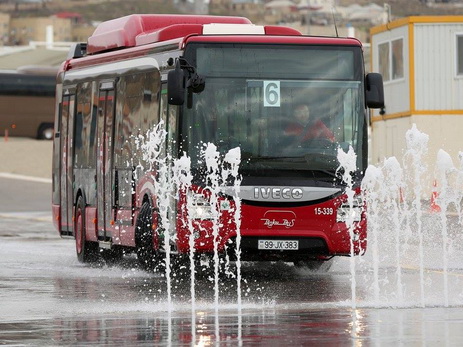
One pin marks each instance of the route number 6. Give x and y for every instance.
(271, 93)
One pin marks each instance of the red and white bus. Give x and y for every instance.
(219, 80)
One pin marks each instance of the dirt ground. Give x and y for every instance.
(26, 156)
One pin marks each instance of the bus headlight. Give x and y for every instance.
(347, 213)
(199, 207)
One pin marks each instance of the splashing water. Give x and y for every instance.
(153, 154)
(383, 188)
(182, 179)
(348, 164)
(172, 178)
(402, 231)
(406, 230)
(449, 177)
(417, 145)
(233, 159)
(211, 156)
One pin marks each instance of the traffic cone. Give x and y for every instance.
(434, 195)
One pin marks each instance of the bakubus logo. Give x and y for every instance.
(279, 218)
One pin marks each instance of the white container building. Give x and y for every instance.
(421, 60)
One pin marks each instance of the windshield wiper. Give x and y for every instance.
(331, 173)
(310, 159)
(265, 162)
(275, 158)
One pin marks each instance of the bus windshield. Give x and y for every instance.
(289, 108)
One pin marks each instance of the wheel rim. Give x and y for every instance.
(79, 232)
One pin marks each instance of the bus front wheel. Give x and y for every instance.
(147, 255)
(87, 252)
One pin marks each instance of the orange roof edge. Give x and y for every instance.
(415, 19)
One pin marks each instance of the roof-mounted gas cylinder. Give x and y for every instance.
(140, 29)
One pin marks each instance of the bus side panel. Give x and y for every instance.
(84, 152)
(84, 184)
(55, 210)
(56, 160)
(66, 155)
(136, 113)
(90, 224)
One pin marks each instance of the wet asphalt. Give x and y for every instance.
(48, 298)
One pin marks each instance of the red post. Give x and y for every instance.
(6, 135)
(434, 195)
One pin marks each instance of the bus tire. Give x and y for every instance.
(45, 131)
(87, 252)
(147, 256)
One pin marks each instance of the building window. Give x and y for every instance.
(397, 59)
(383, 50)
(391, 59)
(460, 54)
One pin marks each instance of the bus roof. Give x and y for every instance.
(141, 29)
(267, 39)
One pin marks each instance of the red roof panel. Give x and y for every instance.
(169, 33)
(123, 32)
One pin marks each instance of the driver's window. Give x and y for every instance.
(169, 116)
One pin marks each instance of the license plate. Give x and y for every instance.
(287, 245)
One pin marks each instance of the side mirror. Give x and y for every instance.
(196, 83)
(374, 90)
(176, 85)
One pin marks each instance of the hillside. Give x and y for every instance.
(92, 10)
(107, 9)
(405, 8)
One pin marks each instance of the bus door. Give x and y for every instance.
(169, 115)
(104, 161)
(65, 144)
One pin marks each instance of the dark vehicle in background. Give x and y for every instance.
(27, 99)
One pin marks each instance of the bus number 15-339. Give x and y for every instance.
(326, 211)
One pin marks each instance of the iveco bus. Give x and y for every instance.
(211, 80)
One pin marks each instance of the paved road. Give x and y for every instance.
(48, 298)
(24, 194)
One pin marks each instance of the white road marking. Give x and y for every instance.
(25, 178)
(37, 215)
